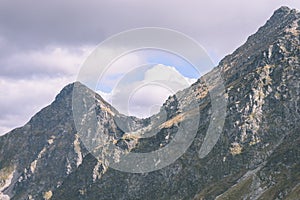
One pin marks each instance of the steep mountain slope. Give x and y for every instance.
(257, 155)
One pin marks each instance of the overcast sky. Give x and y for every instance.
(44, 43)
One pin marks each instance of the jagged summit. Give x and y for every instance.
(284, 10)
(274, 30)
(255, 157)
(280, 20)
(67, 91)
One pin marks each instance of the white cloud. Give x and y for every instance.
(144, 97)
(30, 81)
(50, 61)
(167, 73)
(21, 99)
(137, 59)
(120, 67)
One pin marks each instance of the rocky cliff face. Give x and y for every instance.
(257, 155)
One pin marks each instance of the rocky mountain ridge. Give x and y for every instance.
(255, 157)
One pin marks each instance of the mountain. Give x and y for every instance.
(255, 156)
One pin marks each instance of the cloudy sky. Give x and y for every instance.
(44, 43)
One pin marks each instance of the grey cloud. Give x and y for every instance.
(219, 25)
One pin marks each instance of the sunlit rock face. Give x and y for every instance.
(257, 156)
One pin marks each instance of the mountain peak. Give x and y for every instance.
(49, 158)
(284, 13)
(68, 91)
(283, 9)
(277, 28)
